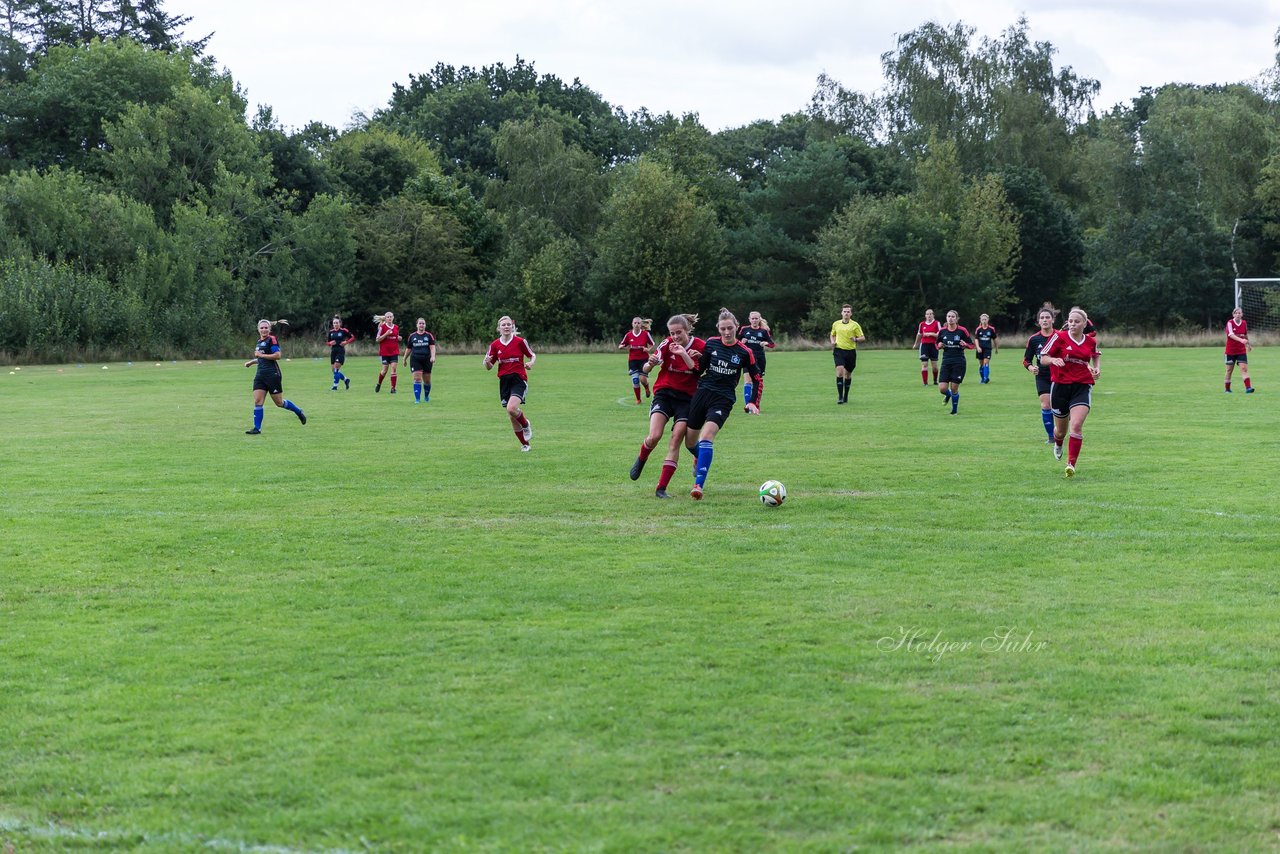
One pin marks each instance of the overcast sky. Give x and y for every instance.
(730, 61)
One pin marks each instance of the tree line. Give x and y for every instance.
(144, 212)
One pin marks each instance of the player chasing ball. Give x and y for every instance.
(677, 358)
(723, 361)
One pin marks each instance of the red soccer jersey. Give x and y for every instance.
(639, 344)
(389, 346)
(929, 332)
(1076, 354)
(510, 357)
(1234, 347)
(675, 374)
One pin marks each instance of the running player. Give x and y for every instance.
(1031, 361)
(509, 352)
(1072, 357)
(639, 344)
(927, 344)
(846, 334)
(988, 344)
(1238, 348)
(953, 340)
(388, 347)
(421, 350)
(722, 363)
(267, 380)
(757, 336)
(339, 337)
(678, 356)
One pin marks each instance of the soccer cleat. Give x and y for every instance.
(696, 492)
(1057, 451)
(1227, 390)
(840, 400)
(1070, 472)
(660, 493)
(254, 432)
(377, 388)
(636, 468)
(528, 432)
(393, 391)
(335, 387)
(524, 449)
(347, 380)
(953, 410)
(302, 416)
(1249, 391)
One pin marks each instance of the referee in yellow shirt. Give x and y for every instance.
(845, 335)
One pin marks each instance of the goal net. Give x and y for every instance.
(1260, 299)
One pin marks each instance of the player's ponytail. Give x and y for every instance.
(274, 323)
(382, 318)
(725, 314)
(646, 323)
(764, 324)
(687, 321)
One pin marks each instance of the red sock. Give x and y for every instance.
(924, 375)
(520, 436)
(1227, 386)
(382, 375)
(668, 472)
(645, 451)
(1248, 383)
(1073, 447)
(524, 422)
(393, 382)
(759, 391)
(636, 389)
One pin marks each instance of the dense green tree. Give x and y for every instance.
(659, 249)
(371, 164)
(1051, 254)
(547, 177)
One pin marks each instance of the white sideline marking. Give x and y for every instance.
(50, 831)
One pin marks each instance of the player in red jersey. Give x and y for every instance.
(388, 347)
(1072, 357)
(678, 357)
(339, 337)
(1031, 361)
(639, 343)
(927, 344)
(723, 361)
(509, 352)
(1238, 348)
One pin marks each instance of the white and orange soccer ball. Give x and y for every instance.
(772, 493)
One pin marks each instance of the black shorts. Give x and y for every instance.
(671, 403)
(636, 365)
(512, 385)
(847, 359)
(270, 383)
(1237, 359)
(760, 363)
(1067, 396)
(952, 372)
(389, 360)
(983, 354)
(928, 352)
(1044, 384)
(709, 406)
(338, 354)
(420, 363)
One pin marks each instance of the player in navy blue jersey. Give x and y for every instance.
(953, 340)
(339, 337)
(421, 351)
(266, 355)
(1031, 361)
(988, 345)
(757, 336)
(723, 361)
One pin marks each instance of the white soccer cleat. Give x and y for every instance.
(1057, 451)
(526, 448)
(528, 433)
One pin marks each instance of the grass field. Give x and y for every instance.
(390, 630)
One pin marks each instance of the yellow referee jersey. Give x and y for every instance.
(847, 334)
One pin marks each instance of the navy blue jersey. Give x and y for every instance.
(985, 336)
(756, 339)
(722, 364)
(1034, 345)
(420, 343)
(951, 342)
(339, 337)
(267, 367)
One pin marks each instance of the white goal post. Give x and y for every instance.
(1260, 299)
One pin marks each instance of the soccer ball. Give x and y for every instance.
(772, 493)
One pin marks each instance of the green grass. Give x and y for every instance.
(389, 629)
